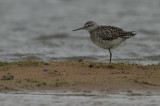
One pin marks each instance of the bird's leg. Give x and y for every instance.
(110, 55)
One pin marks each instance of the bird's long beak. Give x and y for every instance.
(78, 29)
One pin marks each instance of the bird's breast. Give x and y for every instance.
(106, 44)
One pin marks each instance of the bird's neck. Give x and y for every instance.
(93, 28)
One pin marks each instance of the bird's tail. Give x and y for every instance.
(127, 35)
(133, 33)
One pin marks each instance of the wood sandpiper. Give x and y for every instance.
(106, 37)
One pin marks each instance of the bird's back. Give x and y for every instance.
(111, 32)
(109, 36)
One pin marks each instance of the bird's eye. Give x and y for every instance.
(89, 25)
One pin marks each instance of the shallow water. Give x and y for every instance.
(79, 99)
(42, 29)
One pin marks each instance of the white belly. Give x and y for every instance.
(106, 44)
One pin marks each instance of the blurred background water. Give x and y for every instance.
(42, 29)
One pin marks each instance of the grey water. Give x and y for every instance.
(42, 29)
(79, 99)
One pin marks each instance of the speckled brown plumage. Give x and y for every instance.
(111, 32)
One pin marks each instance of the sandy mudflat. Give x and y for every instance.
(78, 76)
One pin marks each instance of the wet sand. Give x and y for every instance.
(78, 76)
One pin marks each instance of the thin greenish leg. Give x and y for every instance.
(110, 55)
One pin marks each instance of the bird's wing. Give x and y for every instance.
(108, 32)
(112, 28)
(111, 33)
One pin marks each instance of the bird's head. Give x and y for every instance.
(89, 26)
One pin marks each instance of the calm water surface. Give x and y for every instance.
(42, 29)
(79, 99)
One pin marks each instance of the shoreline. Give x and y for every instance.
(78, 76)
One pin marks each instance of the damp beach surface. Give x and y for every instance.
(78, 76)
(79, 83)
